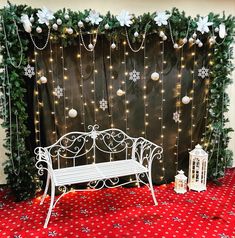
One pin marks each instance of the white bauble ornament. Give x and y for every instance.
(186, 100)
(120, 92)
(43, 79)
(194, 35)
(197, 41)
(39, 29)
(69, 31)
(31, 19)
(200, 44)
(185, 40)
(113, 46)
(217, 29)
(164, 37)
(155, 76)
(80, 24)
(176, 46)
(55, 26)
(222, 31)
(191, 40)
(87, 19)
(66, 16)
(59, 21)
(136, 34)
(106, 27)
(90, 46)
(73, 113)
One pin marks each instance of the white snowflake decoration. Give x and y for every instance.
(203, 72)
(94, 17)
(103, 104)
(124, 18)
(29, 71)
(59, 92)
(161, 18)
(202, 24)
(45, 15)
(134, 75)
(176, 117)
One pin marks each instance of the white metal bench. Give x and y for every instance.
(62, 161)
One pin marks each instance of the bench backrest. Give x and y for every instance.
(76, 148)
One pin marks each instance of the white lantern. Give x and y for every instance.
(180, 182)
(198, 160)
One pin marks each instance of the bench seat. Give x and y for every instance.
(99, 171)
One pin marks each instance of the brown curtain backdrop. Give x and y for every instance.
(134, 94)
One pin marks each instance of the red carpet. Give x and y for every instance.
(125, 212)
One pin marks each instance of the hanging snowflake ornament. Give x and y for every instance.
(161, 18)
(59, 92)
(124, 18)
(134, 75)
(103, 104)
(202, 25)
(29, 71)
(94, 17)
(203, 72)
(45, 15)
(176, 116)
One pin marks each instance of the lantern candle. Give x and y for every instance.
(198, 159)
(180, 182)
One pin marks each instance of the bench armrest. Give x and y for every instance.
(43, 161)
(144, 151)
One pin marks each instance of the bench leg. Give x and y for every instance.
(46, 189)
(151, 188)
(137, 180)
(51, 204)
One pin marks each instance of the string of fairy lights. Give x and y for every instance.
(110, 88)
(84, 104)
(38, 103)
(192, 94)
(55, 101)
(162, 126)
(178, 104)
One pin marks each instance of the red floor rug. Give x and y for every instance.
(126, 212)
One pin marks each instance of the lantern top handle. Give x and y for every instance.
(198, 151)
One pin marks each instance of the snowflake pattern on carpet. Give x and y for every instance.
(203, 72)
(29, 71)
(134, 75)
(223, 236)
(59, 92)
(176, 117)
(52, 233)
(85, 229)
(103, 104)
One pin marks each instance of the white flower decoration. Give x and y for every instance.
(26, 23)
(124, 18)
(45, 15)
(202, 24)
(94, 17)
(161, 18)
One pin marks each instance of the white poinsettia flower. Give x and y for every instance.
(124, 18)
(45, 15)
(94, 17)
(202, 24)
(161, 18)
(26, 23)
